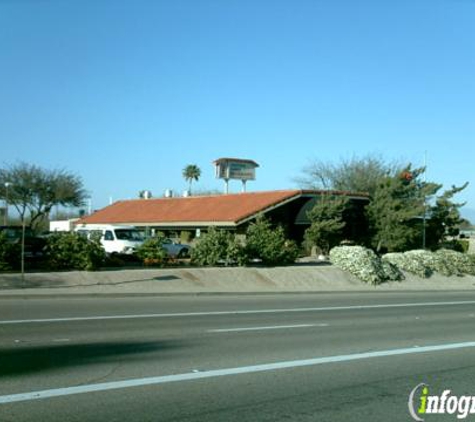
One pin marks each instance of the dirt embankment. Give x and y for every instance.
(298, 278)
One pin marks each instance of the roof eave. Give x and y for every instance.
(252, 216)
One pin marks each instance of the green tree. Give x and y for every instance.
(34, 191)
(444, 218)
(357, 174)
(327, 224)
(399, 210)
(191, 172)
(396, 209)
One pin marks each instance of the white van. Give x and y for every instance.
(114, 238)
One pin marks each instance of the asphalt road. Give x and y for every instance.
(308, 357)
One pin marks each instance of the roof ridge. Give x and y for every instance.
(217, 195)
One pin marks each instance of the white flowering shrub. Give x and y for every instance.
(424, 263)
(369, 267)
(391, 271)
(408, 263)
(364, 264)
(431, 261)
(460, 263)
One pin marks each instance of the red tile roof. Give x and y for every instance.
(226, 209)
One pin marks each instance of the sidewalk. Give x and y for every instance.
(299, 278)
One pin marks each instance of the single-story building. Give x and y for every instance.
(231, 211)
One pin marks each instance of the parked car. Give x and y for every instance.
(34, 245)
(121, 239)
(115, 239)
(176, 250)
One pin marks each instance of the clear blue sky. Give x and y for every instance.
(125, 93)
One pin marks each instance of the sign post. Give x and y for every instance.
(237, 169)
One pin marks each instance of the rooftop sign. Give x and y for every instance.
(235, 168)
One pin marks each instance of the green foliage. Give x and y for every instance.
(445, 218)
(9, 254)
(191, 172)
(152, 252)
(218, 247)
(326, 229)
(396, 208)
(185, 236)
(269, 244)
(357, 174)
(399, 200)
(72, 251)
(35, 191)
(455, 245)
(462, 245)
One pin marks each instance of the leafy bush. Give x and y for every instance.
(459, 245)
(72, 251)
(218, 246)
(152, 252)
(269, 244)
(364, 264)
(186, 236)
(464, 245)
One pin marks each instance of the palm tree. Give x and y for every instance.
(191, 172)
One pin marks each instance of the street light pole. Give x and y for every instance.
(424, 222)
(5, 215)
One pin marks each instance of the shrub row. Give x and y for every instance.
(263, 243)
(424, 263)
(372, 269)
(63, 251)
(71, 251)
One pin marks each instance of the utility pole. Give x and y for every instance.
(424, 204)
(5, 215)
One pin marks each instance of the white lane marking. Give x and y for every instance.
(253, 311)
(190, 376)
(274, 327)
(61, 340)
